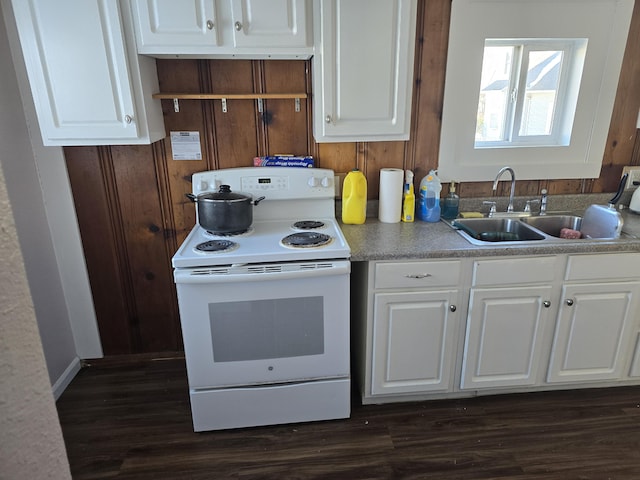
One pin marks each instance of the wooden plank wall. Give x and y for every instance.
(130, 200)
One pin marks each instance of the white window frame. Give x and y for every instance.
(573, 54)
(605, 25)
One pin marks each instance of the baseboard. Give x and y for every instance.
(65, 379)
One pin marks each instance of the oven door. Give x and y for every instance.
(264, 323)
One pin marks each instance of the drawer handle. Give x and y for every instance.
(418, 275)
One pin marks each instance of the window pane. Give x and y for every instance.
(543, 78)
(495, 88)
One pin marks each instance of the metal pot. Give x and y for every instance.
(224, 212)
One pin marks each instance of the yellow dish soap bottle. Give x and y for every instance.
(354, 198)
(409, 201)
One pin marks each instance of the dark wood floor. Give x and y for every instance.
(133, 422)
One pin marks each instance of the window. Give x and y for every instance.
(527, 92)
(530, 84)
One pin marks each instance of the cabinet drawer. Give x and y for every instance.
(514, 270)
(417, 274)
(604, 266)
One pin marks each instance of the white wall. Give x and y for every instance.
(31, 440)
(38, 187)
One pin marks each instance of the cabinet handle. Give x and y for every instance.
(453, 308)
(210, 24)
(546, 304)
(128, 119)
(238, 26)
(418, 275)
(569, 302)
(327, 119)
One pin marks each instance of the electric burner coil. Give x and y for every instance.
(216, 246)
(308, 224)
(306, 240)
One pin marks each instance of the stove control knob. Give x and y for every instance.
(313, 182)
(203, 186)
(326, 182)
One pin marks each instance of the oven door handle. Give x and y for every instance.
(257, 274)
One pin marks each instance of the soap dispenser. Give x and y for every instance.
(451, 203)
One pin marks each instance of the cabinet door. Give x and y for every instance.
(595, 330)
(505, 336)
(363, 69)
(76, 60)
(167, 25)
(413, 342)
(634, 371)
(276, 23)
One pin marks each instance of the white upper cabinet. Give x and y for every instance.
(273, 24)
(87, 84)
(224, 28)
(169, 26)
(363, 69)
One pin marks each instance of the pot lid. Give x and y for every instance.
(225, 194)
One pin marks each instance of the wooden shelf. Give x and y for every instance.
(228, 96)
(176, 97)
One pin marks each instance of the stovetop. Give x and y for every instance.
(292, 194)
(262, 243)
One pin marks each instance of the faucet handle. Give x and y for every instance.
(492, 210)
(527, 207)
(543, 201)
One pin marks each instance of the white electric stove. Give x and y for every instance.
(265, 313)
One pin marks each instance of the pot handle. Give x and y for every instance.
(191, 197)
(623, 183)
(258, 200)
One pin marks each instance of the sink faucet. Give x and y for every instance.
(543, 202)
(513, 185)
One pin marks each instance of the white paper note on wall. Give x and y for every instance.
(186, 146)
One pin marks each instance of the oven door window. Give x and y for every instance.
(266, 329)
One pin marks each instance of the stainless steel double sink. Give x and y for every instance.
(515, 230)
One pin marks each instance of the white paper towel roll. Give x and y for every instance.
(390, 195)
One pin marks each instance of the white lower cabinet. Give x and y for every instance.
(508, 324)
(504, 343)
(598, 320)
(595, 332)
(634, 371)
(413, 341)
(408, 319)
(441, 328)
